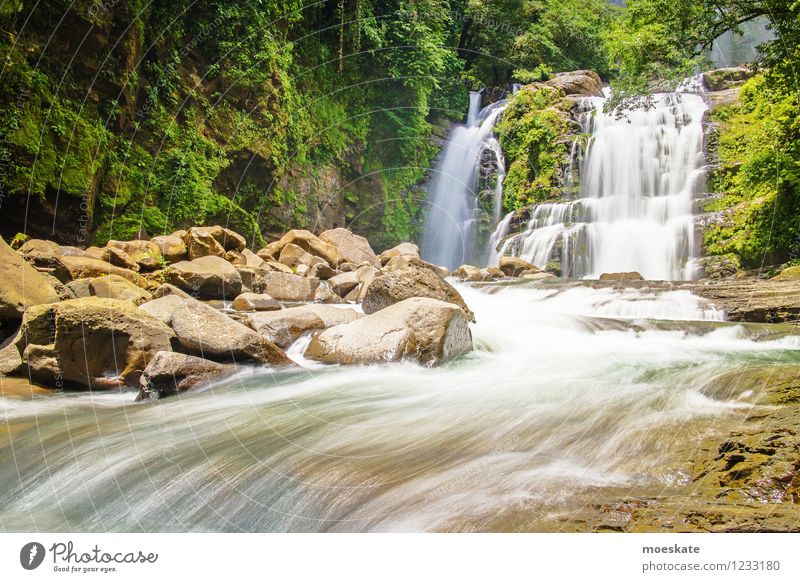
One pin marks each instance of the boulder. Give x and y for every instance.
(412, 281)
(402, 261)
(10, 360)
(119, 258)
(422, 329)
(584, 83)
(208, 277)
(321, 271)
(308, 242)
(324, 294)
(197, 239)
(92, 343)
(788, 274)
(39, 248)
(514, 266)
(630, 276)
(21, 286)
(115, 287)
(538, 276)
(366, 275)
(403, 249)
(172, 248)
(170, 373)
(252, 280)
(145, 253)
(343, 283)
(80, 288)
(235, 258)
(281, 268)
(472, 273)
(353, 248)
(286, 326)
(293, 256)
(167, 289)
(89, 268)
(252, 260)
(200, 243)
(726, 78)
(289, 287)
(255, 302)
(208, 333)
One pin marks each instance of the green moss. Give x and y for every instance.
(531, 133)
(759, 177)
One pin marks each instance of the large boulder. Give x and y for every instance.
(422, 329)
(289, 287)
(172, 248)
(293, 256)
(584, 83)
(119, 258)
(115, 287)
(89, 268)
(170, 373)
(200, 241)
(308, 242)
(413, 281)
(472, 273)
(515, 267)
(145, 253)
(208, 333)
(255, 302)
(343, 283)
(286, 326)
(401, 250)
(208, 277)
(402, 261)
(353, 248)
(92, 343)
(21, 286)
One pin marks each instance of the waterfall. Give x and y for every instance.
(638, 175)
(449, 233)
(732, 49)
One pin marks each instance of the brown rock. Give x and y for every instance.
(309, 243)
(630, 276)
(201, 243)
(145, 253)
(343, 283)
(208, 277)
(293, 256)
(119, 258)
(172, 248)
(514, 266)
(86, 267)
(289, 287)
(21, 286)
(286, 326)
(170, 373)
(255, 302)
(403, 249)
(115, 287)
(413, 281)
(353, 248)
(585, 83)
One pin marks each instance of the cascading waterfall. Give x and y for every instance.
(638, 176)
(449, 233)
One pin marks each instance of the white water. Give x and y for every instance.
(637, 180)
(553, 409)
(448, 237)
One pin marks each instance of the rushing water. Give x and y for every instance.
(638, 176)
(448, 237)
(553, 405)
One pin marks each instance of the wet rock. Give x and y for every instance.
(172, 248)
(286, 326)
(514, 266)
(425, 330)
(208, 333)
(289, 287)
(584, 83)
(403, 249)
(629, 276)
(720, 266)
(412, 281)
(21, 286)
(144, 253)
(208, 277)
(92, 343)
(115, 287)
(255, 302)
(753, 300)
(170, 373)
(353, 248)
(537, 276)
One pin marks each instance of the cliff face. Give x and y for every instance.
(129, 118)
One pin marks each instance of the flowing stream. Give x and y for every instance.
(571, 393)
